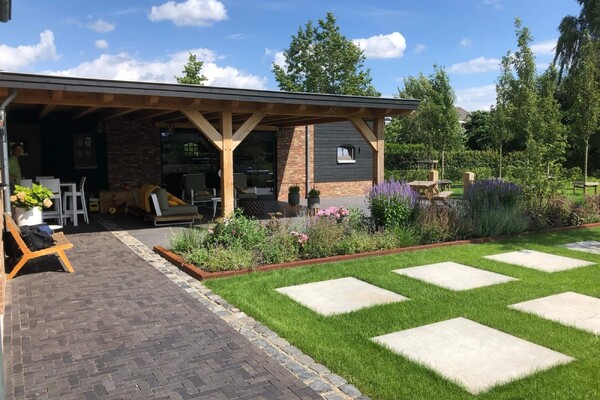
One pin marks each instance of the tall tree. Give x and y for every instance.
(572, 32)
(412, 129)
(502, 131)
(584, 86)
(322, 60)
(191, 72)
(478, 131)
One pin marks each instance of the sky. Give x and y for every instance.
(239, 40)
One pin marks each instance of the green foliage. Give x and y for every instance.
(440, 223)
(403, 156)
(29, 197)
(186, 240)
(321, 60)
(478, 131)
(221, 258)
(294, 189)
(236, 231)
(191, 72)
(587, 212)
(392, 204)
(314, 193)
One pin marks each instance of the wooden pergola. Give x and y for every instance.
(224, 115)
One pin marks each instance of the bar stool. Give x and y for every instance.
(26, 183)
(79, 194)
(57, 213)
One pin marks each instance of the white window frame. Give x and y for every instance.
(346, 159)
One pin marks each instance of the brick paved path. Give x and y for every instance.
(119, 329)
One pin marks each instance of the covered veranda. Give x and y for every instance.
(225, 116)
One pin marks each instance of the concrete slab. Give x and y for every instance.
(569, 308)
(587, 246)
(537, 260)
(338, 296)
(453, 276)
(471, 354)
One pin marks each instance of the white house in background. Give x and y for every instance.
(463, 116)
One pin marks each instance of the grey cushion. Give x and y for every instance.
(163, 199)
(182, 209)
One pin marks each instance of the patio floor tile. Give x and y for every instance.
(471, 354)
(587, 246)
(540, 261)
(453, 276)
(338, 296)
(569, 308)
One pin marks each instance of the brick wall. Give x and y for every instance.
(133, 152)
(340, 189)
(291, 160)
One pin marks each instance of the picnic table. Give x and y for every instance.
(427, 189)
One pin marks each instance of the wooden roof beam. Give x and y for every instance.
(46, 110)
(151, 100)
(247, 127)
(56, 95)
(154, 114)
(205, 127)
(365, 130)
(85, 112)
(106, 98)
(120, 113)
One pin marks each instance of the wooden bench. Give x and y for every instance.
(584, 186)
(61, 244)
(442, 196)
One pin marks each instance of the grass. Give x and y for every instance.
(342, 342)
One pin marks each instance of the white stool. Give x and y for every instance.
(79, 194)
(215, 201)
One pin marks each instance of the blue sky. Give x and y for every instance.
(240, 39)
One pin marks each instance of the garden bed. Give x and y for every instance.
(200, 274)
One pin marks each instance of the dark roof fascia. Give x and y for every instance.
(5, 10)
(87, 85)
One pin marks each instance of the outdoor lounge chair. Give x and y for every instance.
(241, 187)
(195, 185)
(170, 210)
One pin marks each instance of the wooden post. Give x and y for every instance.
(378, 153)
(227, 195)
(468, 179)
(434, 175)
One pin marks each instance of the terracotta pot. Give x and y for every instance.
(32, 216)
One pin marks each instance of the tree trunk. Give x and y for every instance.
(500, 164)
(443, 161)
(585, 160)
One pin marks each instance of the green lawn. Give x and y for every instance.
(342, 342)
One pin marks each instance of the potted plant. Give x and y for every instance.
(294, 195)
(314, 198)
(28, 202)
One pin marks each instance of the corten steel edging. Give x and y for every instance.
(199, 274)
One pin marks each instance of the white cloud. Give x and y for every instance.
(465, 42)
(497, 4)
(476, 98)
(236, 36)
(101, 26)
(278, 57)
(476, 65)
(544, 48)
(383, 46)
(21, 57)
(420, 48)
(101, 44)
(190, 12)
(124, 66)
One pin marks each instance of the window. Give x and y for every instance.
(346, 154)
(190, 149)
(84, 150)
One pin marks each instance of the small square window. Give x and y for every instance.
(346, 154)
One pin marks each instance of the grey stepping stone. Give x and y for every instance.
(569, 308)
(453, 276)
(540, 261)
(470, 354)
(337, 296)
(587, 246)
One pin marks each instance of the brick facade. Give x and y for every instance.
(291, 167)
(133, 151)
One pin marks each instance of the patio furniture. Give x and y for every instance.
(242, 190)
(584, 186)
(26, 182)
(252, 207)
(195, 185)
(166, 214)
(60, 240)
(73, 195)
(427, 189)
(445, 184)
(56, 213)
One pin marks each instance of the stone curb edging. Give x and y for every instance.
(327, 384)
(199, 274)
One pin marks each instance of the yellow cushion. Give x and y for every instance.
(176, 200)
(173, 203)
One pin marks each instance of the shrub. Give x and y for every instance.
(392, 203)
(280, 247)
(236, 231)
(185, 240)
(493, 193)
(323, 238)
(440, 223)
(221, 258)
(499, 221)
(196, 256)
(586, 213)
(557, 213)
(406, 175)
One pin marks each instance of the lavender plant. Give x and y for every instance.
(392, 203)
(494, 193)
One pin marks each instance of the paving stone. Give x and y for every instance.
(569, 308)
(339, 296)
(540, 261)
(587, 246)
(118, 328)
(473, 355)
(453, 276)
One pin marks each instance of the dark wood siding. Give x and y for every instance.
(327, 139)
